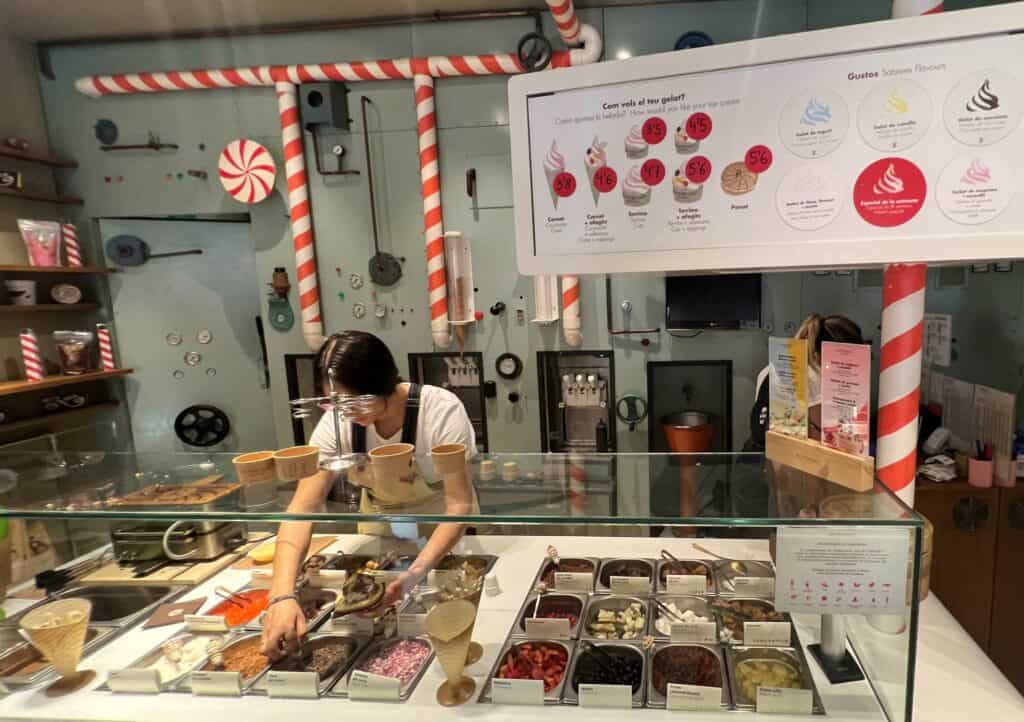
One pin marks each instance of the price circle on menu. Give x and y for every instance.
(813, 124)
(983, 108)
(652, 171)
(758, 159)
(697, 169)
(810, 196)
(889, 192)
(654, 130)
(975, 188)
(564, 184)
(605, 179)
(698, 126)
(894, 115)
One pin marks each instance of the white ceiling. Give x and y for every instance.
(46, 20)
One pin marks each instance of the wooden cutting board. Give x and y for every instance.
(188, 574)
(316, 545)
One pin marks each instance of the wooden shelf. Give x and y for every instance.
(59, 416)
(56, 269)
(30, 157)
(9, 388)
(50, 307)
(42, 197)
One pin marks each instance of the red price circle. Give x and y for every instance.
(698, 169)
(758, 159)
(698, 126)
(605, 179)
(654, 130)
(653, 172)
(564, 184)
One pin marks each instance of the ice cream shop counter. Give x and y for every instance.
(539, 610)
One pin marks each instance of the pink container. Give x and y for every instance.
(979, 473)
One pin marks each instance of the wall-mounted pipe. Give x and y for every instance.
(565, 18)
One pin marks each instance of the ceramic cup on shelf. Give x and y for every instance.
(296, 462)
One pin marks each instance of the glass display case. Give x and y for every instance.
(701, 583)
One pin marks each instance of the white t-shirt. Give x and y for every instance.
(442, 420)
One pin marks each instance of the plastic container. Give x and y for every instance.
(979, 472)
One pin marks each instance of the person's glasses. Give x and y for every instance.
(352, 407)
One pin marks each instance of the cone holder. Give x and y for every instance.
(58, 631)
(450, 628)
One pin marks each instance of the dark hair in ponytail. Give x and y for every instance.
(361, 363)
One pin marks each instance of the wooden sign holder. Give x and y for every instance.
(839, 467)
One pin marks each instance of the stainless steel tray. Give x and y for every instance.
(710, 586)
(616, 602)
(150, 597)
(489, 560)
(103, 636)
(340, 688)
(360, 642)
(725, 576)
(725, 634)
(312, 624)
(153, 655)
(657, 699)
(544, 565)
(571, 696)
(558, 600)
(610, 564)
(698, 605)
(233, 638)
(788, 655)
(552, 697)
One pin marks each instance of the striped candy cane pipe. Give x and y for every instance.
(433, 222)
(301, 216)
(912, 8)
(900, 376)
(571, 326)
(128, 83)
(565, 18)
(69, 239)
(30, 355)
(106, 344)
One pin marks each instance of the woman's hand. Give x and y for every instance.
(397, 589)
(284, 626)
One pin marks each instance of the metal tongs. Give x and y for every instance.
(53, 580)
(231, 597)
(666, 610)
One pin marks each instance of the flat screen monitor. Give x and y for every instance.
(727, 301)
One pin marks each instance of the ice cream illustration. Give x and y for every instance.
(816, 113)
(636, 146)
(983, 100)
(634, 191)
(685, 190)
(895, 103)
(976, 173)
(685, 143)
(554, 163)
(889, 183)
(596, 158)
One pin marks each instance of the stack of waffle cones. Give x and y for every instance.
(58, 631)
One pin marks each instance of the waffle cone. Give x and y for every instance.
(452, 654)
(60, 644)
(449, 620)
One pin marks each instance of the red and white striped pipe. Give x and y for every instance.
(913, 8)
(106, 344)
(565, 18)
(899, 382)
(129, 83)
(300, 214)
(30, 355)
(69, 239)
(571, 327)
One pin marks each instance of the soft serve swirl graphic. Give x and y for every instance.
(634, 184)
(889, 183)
(983, 100)
(555, 161)
(895, 103)
(816, 113)
(976, 173)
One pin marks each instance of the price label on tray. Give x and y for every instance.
(780, 700)
(606, 695)
(411, 625)
(205, 623)
(629, 585)
(304, 685)
(686, 584)
(767, 634)
(573, 582)
(692, 698)
(547, 628)
(216, 684)
(366, 686)
(517, 691)
(695, 633)
(134, 681)
(754, 586)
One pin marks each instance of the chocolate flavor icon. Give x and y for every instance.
(984, 100)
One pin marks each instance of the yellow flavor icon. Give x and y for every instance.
(895, 104)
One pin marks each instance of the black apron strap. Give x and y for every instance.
(358, 438)
(412, 415)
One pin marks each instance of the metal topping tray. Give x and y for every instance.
(340, 688)
(324, 610)
(150, 658)
(657, 697)
(668, 567)
(792, 658)
(624, 568)
(731, 617)
(616, 603)
(561, 602)
(23, 665)
(573, 563)
(112, 605)
(726, 575)
(185, 684)
(553, 696)
(312, 641)
(700, 606)
(570, 693)
(452, 562)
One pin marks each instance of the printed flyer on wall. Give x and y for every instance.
(846, 396)
(787, 386)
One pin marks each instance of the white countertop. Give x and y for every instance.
(955, 680)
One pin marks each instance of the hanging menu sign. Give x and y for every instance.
(863, 156)
(846, 396)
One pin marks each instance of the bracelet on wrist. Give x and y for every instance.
(282, 597)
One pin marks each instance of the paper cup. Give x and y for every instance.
(394, 469)
(255, 466)
(449, 459)
(22, 293)
(296, 462)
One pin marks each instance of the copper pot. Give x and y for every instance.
(688, 431)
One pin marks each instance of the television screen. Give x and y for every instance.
(714, 301)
